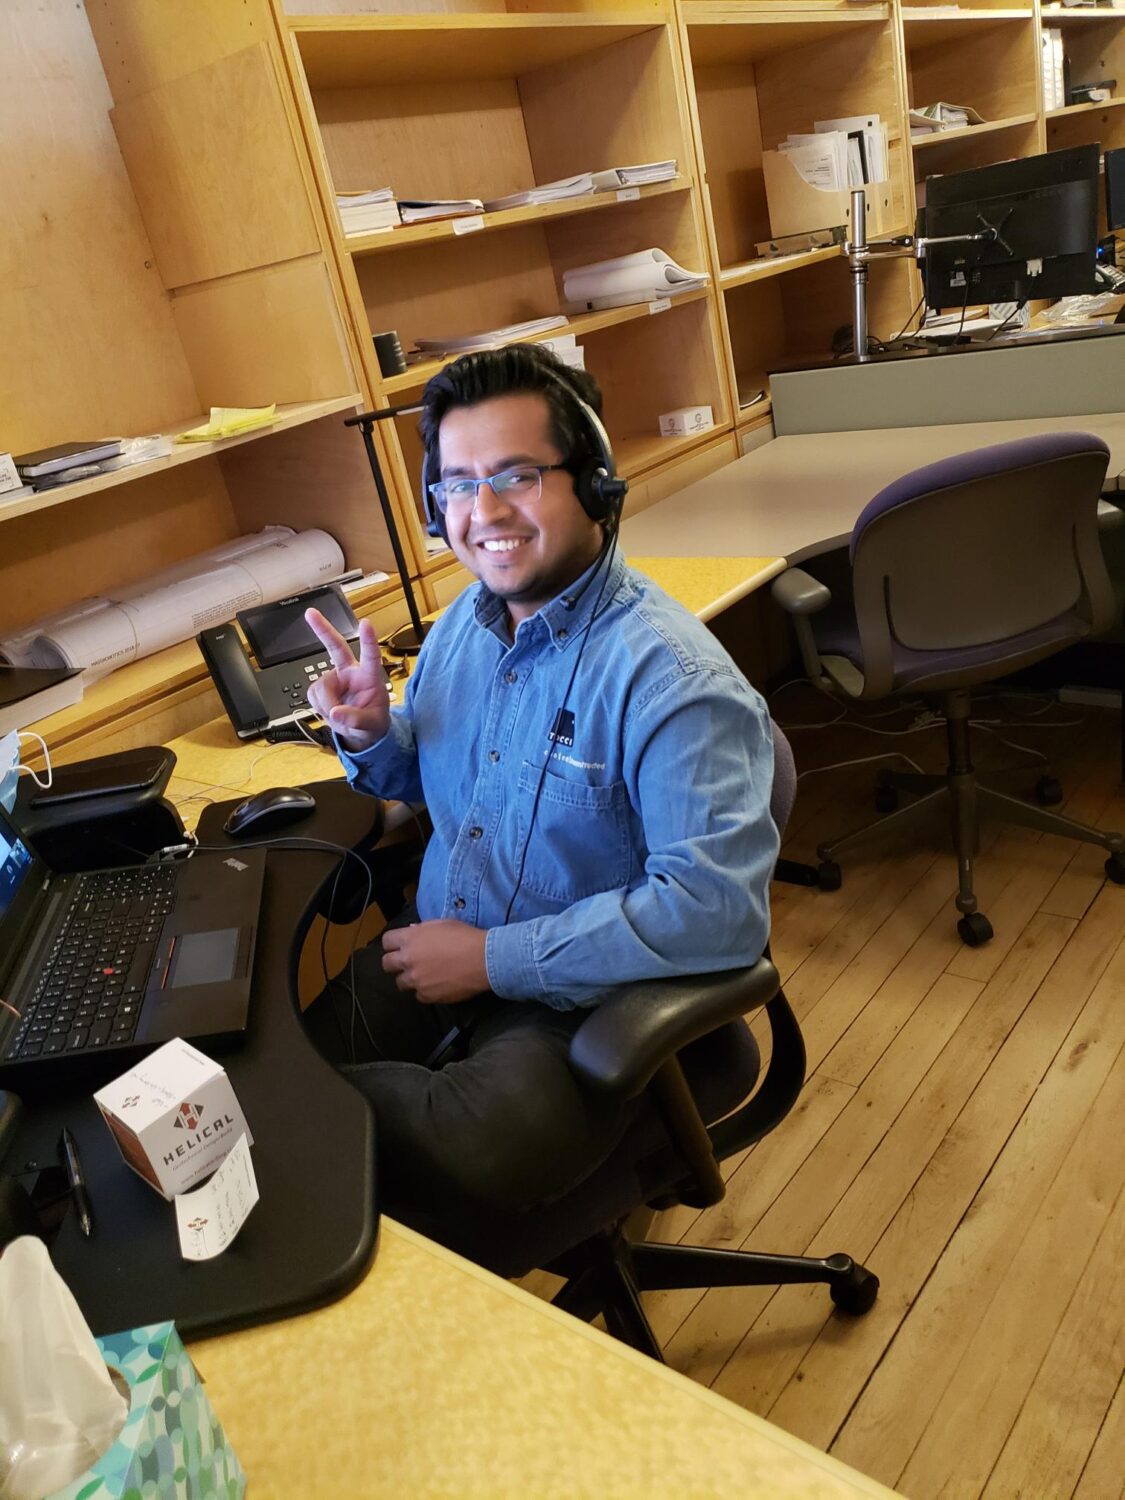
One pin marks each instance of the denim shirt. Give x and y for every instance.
(650, 850)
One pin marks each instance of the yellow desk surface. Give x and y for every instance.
(708, 585)
(435, 1378)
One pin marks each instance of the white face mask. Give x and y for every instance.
(9, 770)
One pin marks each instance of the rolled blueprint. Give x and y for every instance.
(16, 647)
(151, 618)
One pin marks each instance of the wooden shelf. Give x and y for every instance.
(442, 230)
(1084, 109)
(578, 324)
(1068, 15)
(774, 265)
(643, 454)
(990, 127)
(356, 51)
(183, 453)
(921, 29)
(725, 34)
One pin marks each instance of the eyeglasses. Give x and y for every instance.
(524, 481)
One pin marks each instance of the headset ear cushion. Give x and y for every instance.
(588, 487)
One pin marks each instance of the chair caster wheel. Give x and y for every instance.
(829, 876)
(976, 929)
(1115, 868)
(856, 1294)
(886, 799)
(1048, 791)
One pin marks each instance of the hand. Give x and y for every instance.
(442, 962)
(352, 699)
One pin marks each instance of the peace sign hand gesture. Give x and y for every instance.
(353, 697)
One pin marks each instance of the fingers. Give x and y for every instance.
(370, 658)
(324, 695)
(330, 638)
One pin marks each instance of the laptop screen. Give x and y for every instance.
(15, 862)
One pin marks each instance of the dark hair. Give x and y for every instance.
(510, 371)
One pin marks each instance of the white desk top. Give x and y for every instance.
(799, 496)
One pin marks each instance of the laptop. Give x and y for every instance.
(98, 967)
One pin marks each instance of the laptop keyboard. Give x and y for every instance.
(89, 994)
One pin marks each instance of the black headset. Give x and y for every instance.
(600, 491)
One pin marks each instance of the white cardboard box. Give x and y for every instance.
(686, 420)
(174, 1117)
(9, 479)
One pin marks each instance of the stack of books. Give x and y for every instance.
(929, 118)
(66, 462)
(367, 212)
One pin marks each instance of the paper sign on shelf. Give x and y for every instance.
(467, 226)
(209, 1218)
(662, 304)
(626, 195)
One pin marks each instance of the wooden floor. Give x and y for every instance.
(960, 1133)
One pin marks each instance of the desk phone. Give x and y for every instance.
(271, 691)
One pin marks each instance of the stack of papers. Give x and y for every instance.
(644, 276)
(363, 213)
(228, 421)
(587, 182)
(941, 116)
(489, 338)
(568, 350)
(840, 154)
(419, 210)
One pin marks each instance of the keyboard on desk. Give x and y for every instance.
(89, 993)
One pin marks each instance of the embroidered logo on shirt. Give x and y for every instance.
(562, 730)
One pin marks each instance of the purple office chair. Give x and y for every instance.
(963, 571)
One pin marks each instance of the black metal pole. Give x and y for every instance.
(404, 641)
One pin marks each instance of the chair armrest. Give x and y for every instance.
(1110, 516)
(622, 1043)
(799, 593)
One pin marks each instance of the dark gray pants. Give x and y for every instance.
(500, 1124)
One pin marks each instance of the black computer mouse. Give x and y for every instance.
(266, 812)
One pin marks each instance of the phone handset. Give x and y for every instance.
(234, 676)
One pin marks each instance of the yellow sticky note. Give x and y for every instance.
(227, 421)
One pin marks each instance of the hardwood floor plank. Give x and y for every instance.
(914, 1191)
(1001, 1360)
(881, 1433)
(1074, 1388)
(1040, 863)
(719, 1325)
(1103, 1477)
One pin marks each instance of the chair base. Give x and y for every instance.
(617, 1270)
(965, 800)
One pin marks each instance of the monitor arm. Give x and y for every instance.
(861, 252)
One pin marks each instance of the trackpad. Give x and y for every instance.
(205, 958)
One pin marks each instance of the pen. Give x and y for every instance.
(68, 1149)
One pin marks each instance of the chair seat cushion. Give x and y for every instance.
(837, 634)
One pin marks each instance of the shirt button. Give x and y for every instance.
(475, 833)
(561, 633)
(494, 756)
(510, 676)
(459, 904)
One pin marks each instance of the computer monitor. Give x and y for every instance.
(1115, 188)
(1042, 216)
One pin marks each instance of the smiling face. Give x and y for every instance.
(524, 548)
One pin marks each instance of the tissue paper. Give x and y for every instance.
(59, 1410)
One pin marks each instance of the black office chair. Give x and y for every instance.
(680, 1050)
(963, 571)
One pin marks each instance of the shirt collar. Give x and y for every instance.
(564, 617)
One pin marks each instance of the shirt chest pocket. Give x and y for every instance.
(579, 837)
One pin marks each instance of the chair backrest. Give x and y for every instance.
(784, 790)
(993, 548)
